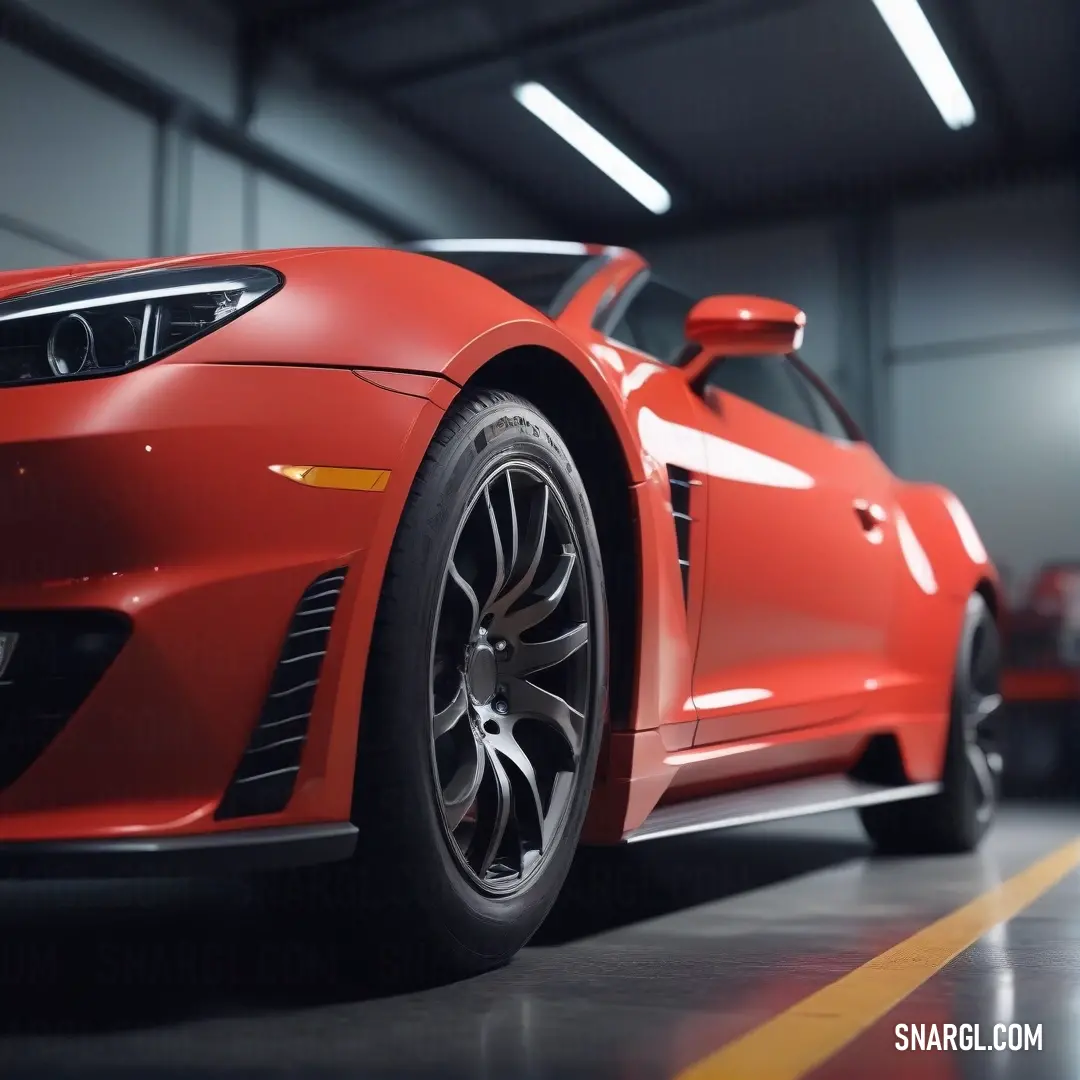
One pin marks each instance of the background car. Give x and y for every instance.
(1041, 681)
(443, 560)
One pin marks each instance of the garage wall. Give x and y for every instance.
(1003, 431)
(77, 166)
(973, 345)
(985, 364)
(355, 146)
(285, 217)
(81, 171)
(218, 198)
(190, 54)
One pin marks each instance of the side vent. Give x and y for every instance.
(264, 780)
(681, 483)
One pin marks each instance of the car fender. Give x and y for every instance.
(933, 521)
(377, 309)
(372, 309)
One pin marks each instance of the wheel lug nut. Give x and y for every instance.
(500, 706)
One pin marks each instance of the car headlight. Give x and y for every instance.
(108, 324)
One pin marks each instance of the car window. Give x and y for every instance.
(829, 420)
(767, 381)
(655, 321)
(833, 417)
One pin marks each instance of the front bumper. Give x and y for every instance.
(149, 497)
(235, 851)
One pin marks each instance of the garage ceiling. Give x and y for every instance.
(743, 109)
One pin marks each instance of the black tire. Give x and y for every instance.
(427, 902)
(956, 819)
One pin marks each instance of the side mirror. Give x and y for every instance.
(741, 326)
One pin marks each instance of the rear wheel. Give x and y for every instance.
(485, 692)
(958, 817)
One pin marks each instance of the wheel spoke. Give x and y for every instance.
(513, 520)
(467, 589)
(531, 547)
(505, 745)
(529, 701)
(460, 793)
(530, 657)
(495, 830)
(549, 595)
(506, 772)
(445, 719)
(984, 706)
(983, 775)
(500, 556)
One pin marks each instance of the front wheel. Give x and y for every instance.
(485, 691)
(956, 819)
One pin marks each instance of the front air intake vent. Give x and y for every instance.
(50, 662)
(264, 780)
(681, 484)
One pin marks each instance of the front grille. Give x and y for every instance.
(264, 780)
(680, 482)
(52, 662)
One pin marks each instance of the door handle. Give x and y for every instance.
(871, 516)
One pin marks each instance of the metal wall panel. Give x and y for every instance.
(286, 217)
(75, 162)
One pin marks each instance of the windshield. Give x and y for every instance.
(543, 279)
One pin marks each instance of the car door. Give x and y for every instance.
(765, 489)
(797, 591)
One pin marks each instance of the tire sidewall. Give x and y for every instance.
(487, 928)
(961, 797)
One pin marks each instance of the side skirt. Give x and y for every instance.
(773, 802)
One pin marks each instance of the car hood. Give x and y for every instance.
(16, 282)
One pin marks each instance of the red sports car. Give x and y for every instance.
(440, 561)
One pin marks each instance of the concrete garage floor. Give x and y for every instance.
(657, 956)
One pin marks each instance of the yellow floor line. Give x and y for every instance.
(808, 1034)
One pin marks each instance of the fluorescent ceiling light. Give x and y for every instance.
(918, 42)
(588, 142)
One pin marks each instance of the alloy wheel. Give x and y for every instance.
(510, 678)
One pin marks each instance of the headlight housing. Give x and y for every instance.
(108, 324)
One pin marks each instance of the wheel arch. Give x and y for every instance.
(988, 590)
(945, 531)
(559, 389)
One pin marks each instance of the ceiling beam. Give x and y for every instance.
(633, 24)
(333, 77)
(271, 22)
(259, 40)
(830, 202)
